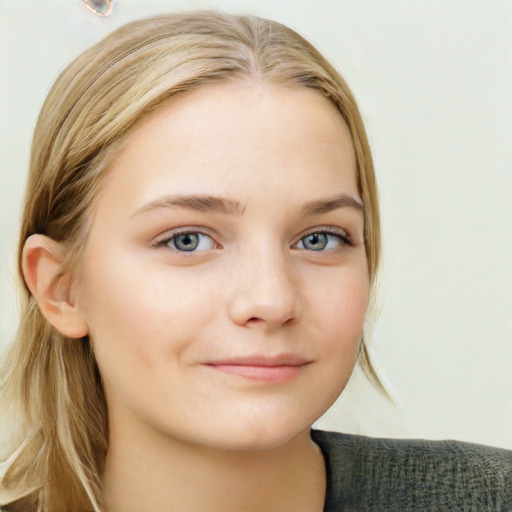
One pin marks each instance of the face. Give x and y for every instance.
(224, 279)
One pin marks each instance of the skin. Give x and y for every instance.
(162, 320)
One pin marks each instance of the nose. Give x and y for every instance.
(266, 293)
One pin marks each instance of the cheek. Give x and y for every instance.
(140, 318)
(342, 305)
(338, 310)
(341, 313)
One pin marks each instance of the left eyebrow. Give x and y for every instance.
(328, 205)
(201, 203)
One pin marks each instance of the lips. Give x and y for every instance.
(270, 369)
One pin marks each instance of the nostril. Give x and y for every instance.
(254, 320)
(272, 322)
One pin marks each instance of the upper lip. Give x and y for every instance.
(262, 360)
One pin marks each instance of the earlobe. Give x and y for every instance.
(50, 284)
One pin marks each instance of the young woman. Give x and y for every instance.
(199, 245)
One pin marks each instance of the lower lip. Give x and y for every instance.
(269, 374)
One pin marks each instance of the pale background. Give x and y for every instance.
(434, 83)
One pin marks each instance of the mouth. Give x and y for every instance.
(272, 370)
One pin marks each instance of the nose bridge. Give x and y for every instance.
(265, 289)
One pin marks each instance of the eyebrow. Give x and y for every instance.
(206, 203)
(201, 203)
(328, 205)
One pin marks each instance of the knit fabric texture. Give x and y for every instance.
(370, 474)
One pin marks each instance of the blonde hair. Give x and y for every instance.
(52, 382)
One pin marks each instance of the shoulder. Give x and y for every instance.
(367, 473)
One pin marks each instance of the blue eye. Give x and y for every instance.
(189, 242)
(321, 242)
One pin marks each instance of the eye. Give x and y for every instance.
(190, 241)
(323, 241)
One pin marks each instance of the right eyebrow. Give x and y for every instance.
(201, 203)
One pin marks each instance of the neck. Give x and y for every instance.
(159, 473)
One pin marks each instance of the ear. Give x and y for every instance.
(50, 284)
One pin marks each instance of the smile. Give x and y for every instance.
(272, 370)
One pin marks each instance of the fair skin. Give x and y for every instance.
(224, 287)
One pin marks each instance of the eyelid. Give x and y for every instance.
(343, 234)
(163, 239)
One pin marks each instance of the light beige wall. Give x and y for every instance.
(433, 80)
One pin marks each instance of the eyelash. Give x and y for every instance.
(175, 234)
(344, 237)
(341, 234)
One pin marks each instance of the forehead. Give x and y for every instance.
(236, 138)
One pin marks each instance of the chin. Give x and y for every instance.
(257, 436)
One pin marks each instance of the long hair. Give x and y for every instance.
(51, 382)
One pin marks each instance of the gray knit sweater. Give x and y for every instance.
(369, 474)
